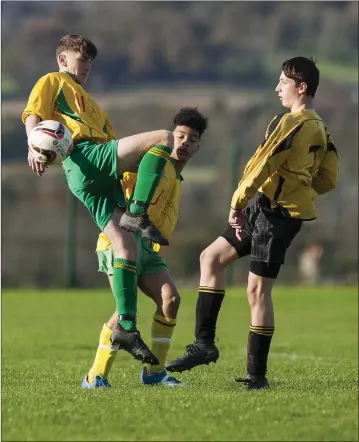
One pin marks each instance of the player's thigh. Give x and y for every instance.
(130, 150)
(159, 286)
(123, 242)
(227, 248)
(272, 236)
(219, 254)
(101, 195)
(96, 161)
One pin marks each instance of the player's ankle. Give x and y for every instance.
(204, 341)
(138, 208)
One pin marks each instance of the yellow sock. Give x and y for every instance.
(105, 356)
(161, 334)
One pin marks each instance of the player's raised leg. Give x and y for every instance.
(162, 290)
(214, 259)
(150, 150)
(126, 335)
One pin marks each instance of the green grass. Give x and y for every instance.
(49, 341)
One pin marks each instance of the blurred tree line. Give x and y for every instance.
(155, 57)
(168, 42)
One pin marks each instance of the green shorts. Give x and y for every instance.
(91, 174)
(149, 261)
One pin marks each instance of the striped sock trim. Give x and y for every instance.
(166, 324)
(206, 289)
(120, 263)
(262, 330)
(162, 340)
(108, 347)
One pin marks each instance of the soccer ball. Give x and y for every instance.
(50, 142)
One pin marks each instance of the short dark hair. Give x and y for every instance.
(302, 69)
(190, 117)
(76, 43)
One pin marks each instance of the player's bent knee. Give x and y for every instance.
(171, 301)
(210, 260)
(255, 294)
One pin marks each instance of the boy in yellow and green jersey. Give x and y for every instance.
(296, 162)
(93, 170)
(153, 276)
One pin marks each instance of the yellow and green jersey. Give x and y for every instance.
(163, 211)
(57, 96)
(296, 162)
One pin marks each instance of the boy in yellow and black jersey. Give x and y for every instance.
(296, 162)
(153, 277)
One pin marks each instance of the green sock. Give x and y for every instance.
(125, 290)
(148, 177)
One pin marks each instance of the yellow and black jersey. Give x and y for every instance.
(296, 162)
(163, 211)
(57, 96)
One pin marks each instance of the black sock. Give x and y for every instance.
(209, 303)
(259, 340)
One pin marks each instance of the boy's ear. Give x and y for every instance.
(62, 60)
(303, 87)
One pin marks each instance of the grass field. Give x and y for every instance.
(49, 340)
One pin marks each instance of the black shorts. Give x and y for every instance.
(266, 236)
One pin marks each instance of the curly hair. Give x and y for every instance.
(190, 117)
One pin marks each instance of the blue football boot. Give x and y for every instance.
(99, 382)
(161, 378)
